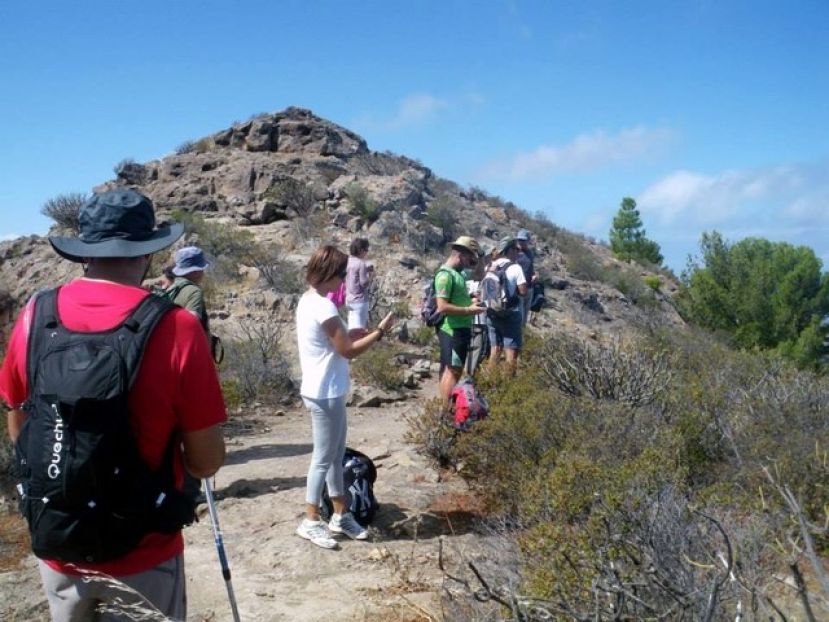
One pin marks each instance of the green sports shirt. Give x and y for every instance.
(450, 285)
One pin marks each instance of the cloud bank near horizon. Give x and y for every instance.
(788, 201)
(793, 195)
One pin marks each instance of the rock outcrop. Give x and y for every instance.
(296, 180)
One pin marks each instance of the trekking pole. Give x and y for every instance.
(220, 547)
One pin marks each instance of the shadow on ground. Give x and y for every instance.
(395, 523)
(264, 452)
(247, 488)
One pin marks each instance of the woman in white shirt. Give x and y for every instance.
(325, 348)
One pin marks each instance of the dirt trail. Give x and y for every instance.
(277, 575)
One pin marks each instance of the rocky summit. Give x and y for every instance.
(295, 180)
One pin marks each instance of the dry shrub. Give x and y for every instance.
(278, 272)
(430, 432)
(292, 194)
(639, 485)
(201, 145)
(615, 371)
(65, 210)
(255, 366)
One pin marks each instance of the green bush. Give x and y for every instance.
(653, 281)
(765, 295)
(377, 367)
(361, 202)
(232, 393)
(422, 335)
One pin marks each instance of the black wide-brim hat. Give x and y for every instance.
(116, 223)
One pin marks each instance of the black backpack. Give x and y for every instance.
(429, 305)
(85, 491)
(359, 474)
(538, 299)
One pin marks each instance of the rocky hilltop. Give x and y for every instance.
(236, 171)
(296, 180)
(290, 177)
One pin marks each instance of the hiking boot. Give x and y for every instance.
(317, 532)
(348, 525)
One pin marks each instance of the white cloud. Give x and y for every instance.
(586, 152)
(418, 109)
(5, 237)
(795, 194)
(597, 223)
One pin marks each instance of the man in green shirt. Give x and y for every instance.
(457, 307)
(185, 291)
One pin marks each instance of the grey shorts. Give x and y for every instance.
(101, 598)
(506, 332)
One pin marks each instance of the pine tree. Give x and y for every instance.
(627, 236)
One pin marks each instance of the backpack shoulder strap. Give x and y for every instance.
(451, 283)
(44, 319)
(136, 329)
(174, 290)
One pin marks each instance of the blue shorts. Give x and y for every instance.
(506, 332)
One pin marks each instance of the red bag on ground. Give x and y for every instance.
(468, 406)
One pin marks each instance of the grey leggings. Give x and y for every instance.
(328, 424)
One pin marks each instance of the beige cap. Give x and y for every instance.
(468, 244)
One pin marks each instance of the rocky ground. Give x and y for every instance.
(278, 576)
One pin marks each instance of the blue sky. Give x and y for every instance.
(711, 114)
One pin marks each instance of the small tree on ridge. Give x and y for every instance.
(627, 236)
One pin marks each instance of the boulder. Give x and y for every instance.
(262, 135)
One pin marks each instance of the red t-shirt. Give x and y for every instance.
(176, 389)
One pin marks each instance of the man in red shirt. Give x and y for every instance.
(176, 391)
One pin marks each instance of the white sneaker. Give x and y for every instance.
(348, 525)
(317, 532)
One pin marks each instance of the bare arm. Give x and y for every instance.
(445, 307)
(204, 451)
(15, 420)
(348, 348)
